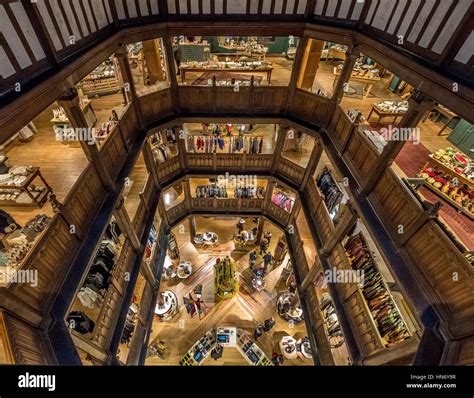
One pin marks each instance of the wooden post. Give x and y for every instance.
(297, 65)
(70, 103)
(418, 105)
(181, 142)
(121, 55)
(309, 64)
(187, 193)
(150, 162)
(168, 46)
(282, 133)
(312, 164)
(152, 53)
(192, 228)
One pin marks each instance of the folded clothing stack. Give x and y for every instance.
(393, 106)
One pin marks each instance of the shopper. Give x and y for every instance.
(216, 353)
(277, 359)
(268, 324)
(268, 236)
(177, 56)
(263, 246)
(253, 258)
(240, 225)
(258, 332)
(267, 260)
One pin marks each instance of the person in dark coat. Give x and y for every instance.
(258, 332)
(177, 56)
(268, 324)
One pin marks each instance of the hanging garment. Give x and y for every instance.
(260, 146)
(246, 145)
(88, 297)
(80, 322)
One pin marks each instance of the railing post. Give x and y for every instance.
(312, 164)
(125, 224)
(282, 133)
(121, 55)
(168, 45)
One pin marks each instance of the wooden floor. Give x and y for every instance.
(244, 310)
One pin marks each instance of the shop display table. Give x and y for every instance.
(206, 239)
(368, 81)
(383, 113)
(226, 336)
(184, 270)
(221, 68)
(167, 306)
(258, 283)
(446, 113)
(288, 347)
(27, 197)
(289, 309)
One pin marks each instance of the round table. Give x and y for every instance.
(168, 306)
(258, 283)
(184, 269)
(288, 347)
(207, 238)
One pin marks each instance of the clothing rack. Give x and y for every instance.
(382, 306)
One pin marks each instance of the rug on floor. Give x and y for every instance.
(412, 158)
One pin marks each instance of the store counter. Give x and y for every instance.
(225, 336)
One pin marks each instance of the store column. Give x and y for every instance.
(297, 66)
(121, 55)
(351, 57)
(311, 275)
(172, 71)
(70, 103)
(418, 105)
(187, 194)
(312, 164)
(282, 134)
(310, 64)
(152, 53)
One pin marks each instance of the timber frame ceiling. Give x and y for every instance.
(39, 37)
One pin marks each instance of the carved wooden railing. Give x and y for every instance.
(169, 169)
(114, 151)
(247, 100)
(129, 125)
(290, 170)
(278, 213)
(176, 212)
(156, 105)
(309, 107)
(225, 162)
(340, 128)
(237, 205)
(361, 156)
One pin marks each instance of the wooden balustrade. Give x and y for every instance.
(398, 205)
(156, 105)
(290, 170)
(278, 213)
(169, 169)
(139, 221)
(21, 343)
(176, 212)
(309, 107)
(129, 125)
(225, 162)
(360, 156)
(114, 152)
(340, 128)
(323, 223)
(247, 100)
(446, 273)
